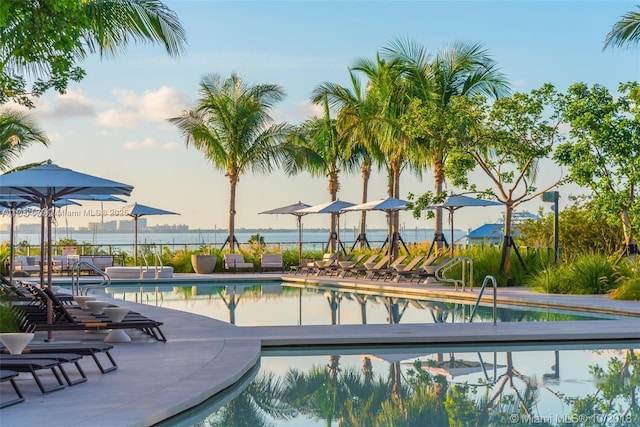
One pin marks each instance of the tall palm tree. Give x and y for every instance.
(459, 70)
(327, 154)
(17, 132)
(386, 96)
(232, 126)
(626, 31)
(353, 120)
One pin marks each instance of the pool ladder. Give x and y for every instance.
(75, 278)
(486, 280)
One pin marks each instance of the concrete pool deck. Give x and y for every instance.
(203, 356)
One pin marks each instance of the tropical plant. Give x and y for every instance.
(387, 103)
(626, 31)
(432, 85)
(354, 119)
(581, 228)
(603, 153)
(232, 126)
(9, 317)
(17, 132)
(506, 141)
(45, 39)
(327, 154)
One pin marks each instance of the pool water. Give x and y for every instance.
(273, 304)
(570, 385)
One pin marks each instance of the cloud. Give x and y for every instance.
(145, 144)
(151, 106)
(73, 103)
(171, 146)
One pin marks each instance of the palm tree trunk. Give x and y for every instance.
(231, 238)
(333, 192)
(395, 215)
(366, 175)
(438, 172)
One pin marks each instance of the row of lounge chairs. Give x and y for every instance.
(68, 316)
(376, 267)
(55, 358)
(53, 366)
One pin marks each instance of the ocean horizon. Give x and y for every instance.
(287, 237)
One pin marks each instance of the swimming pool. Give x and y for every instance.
(276, 304)
(423, 386)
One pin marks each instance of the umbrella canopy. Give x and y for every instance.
(457, 367)
(293, 209)
(47, 183)
(457, 201)
(388, 205)
(332, 207)
(136, 211)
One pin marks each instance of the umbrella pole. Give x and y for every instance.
(135, 240)
(451, 225)
(49, 208)
(299, 217)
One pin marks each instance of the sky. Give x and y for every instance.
(113, 123)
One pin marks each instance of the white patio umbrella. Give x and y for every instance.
(137, 210)
(293, 209)
(457, 201)
(47, 183)
(332, 207)
(388, 205)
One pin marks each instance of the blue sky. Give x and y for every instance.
(112, 123)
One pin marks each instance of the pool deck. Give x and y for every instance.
(203, 356)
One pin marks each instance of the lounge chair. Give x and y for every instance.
(33, 366)
(10, 376)
(315, 266)
(346, 270)
(346, 263)
(271, 262)
(367, 267)
(329, 267)
(68, 318)
(62, 358)
(430, 271)
(88, 349)
(408, 273)
(390, 273)
(375, 272)
(236, 262)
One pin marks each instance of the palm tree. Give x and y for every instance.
(387, 100)
(231, 125)
(17, 132)
(44, 40)
(460, 70)
(624, 32)
(327, 154)
(353, 120)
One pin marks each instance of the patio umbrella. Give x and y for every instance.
(47, 183)
(388, 205)
(136, 211)
(333, 207)
(292, 210)
(457, 201)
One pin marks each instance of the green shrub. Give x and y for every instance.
(587, 274)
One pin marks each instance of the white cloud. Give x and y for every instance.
(73, 103)
(151, 106)
(171, 146)
(147, 143)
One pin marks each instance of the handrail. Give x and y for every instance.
(75, 277)
(465, 261)
(495, 298)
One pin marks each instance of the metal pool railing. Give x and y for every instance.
(495, 297)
